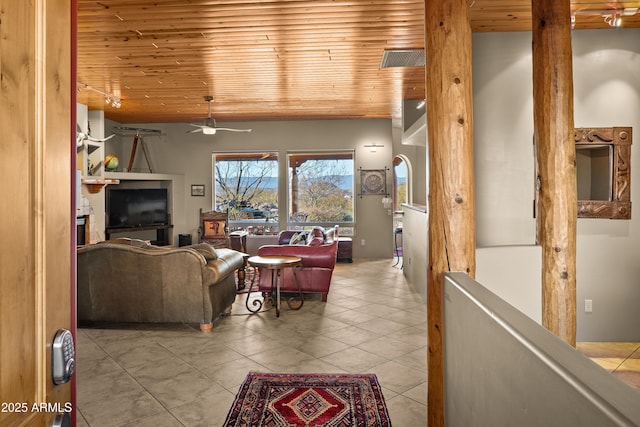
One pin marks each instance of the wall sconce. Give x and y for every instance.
(109, 99)
(373, 147)
(386, 201)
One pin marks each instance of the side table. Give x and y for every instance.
(242, 273)
(275, 263)
(345, 249)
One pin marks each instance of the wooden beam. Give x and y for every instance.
(451, 188)
(556, 157)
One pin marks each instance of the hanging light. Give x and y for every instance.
(109, 99)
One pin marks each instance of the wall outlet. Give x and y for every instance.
(362, 242)
(588, 306)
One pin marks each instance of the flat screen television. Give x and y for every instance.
(137, 207)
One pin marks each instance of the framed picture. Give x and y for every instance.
(197, 189)
(373, 182)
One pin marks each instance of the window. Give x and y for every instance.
(246, 185)
(401, 182)
(321, 189)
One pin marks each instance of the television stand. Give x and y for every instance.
(163, 236)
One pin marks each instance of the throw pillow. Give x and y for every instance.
(295, 239)
(299, 238)
(330, 235)
(318, 231)
(206, 251)
(316, 241)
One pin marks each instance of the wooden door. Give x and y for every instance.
(36, 209)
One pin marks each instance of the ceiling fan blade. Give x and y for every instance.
(234, 130)
(200, 127)
(209, 127)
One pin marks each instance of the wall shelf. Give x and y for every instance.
(95, 184)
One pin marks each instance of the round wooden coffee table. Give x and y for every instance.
(275, 263)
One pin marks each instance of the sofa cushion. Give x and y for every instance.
(226, 264)
(136, 243)
(206, 250)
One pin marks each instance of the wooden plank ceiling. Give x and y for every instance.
(269, 59)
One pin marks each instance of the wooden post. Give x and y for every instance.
(452, 231)
(556, 157)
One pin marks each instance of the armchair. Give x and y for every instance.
(318, 262)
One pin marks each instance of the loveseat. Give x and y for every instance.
(318, 252)
(128, 280)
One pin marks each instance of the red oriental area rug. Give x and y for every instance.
(305, 400)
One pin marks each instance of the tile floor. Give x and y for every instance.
(174, 375)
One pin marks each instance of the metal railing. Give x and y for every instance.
(503, 369)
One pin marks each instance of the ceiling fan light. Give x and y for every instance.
(208, 131)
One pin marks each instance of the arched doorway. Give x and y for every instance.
(401, 182)
(401, 194)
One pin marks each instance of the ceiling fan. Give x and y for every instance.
(209, 127)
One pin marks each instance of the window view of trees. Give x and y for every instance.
(246, 185)
(399, 183)
(321, 187)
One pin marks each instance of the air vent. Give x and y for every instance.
(403, 58)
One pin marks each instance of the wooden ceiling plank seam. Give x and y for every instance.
(307, 58)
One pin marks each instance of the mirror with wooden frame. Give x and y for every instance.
(603, 169)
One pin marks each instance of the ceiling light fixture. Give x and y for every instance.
(109, 99)
(613, 17)
(614, 20)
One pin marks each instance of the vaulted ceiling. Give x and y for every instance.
(269, 59)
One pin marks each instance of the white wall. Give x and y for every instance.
(607, 93)
(414, 248)
(177, 152)
(513, 273)
(503, 138)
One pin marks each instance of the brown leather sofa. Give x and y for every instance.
(128, 280)
(318, 254)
